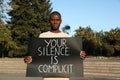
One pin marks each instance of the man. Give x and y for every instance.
(55, 21)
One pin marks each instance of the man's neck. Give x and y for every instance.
(55, 31)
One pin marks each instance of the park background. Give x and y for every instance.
(22, 19)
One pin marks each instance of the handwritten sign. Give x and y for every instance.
(55, 57)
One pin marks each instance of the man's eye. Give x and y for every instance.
(55, 19)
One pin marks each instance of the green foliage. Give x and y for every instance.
(86, 33)
(113, 38)
(29, 18)
(100, 43)
(6, 41)
(5, 36)
(108, 50)
(19, 52)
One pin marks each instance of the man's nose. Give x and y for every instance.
(55, 21)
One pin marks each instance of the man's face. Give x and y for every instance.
(55, 21)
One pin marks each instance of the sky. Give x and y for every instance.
(6, 9)
(98, 14)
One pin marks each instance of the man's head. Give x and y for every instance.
(55, 20)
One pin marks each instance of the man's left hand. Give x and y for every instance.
(82, 55)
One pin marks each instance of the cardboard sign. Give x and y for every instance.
(55, 57)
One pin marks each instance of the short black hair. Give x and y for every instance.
(55, 12)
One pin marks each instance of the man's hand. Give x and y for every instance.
(82, 55)
(27, 59)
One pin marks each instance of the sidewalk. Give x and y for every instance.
(94, 69)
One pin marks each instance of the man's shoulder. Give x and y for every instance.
(65, 34)
(49, 34)
(44, 34)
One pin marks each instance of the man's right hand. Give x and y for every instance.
(28, 59)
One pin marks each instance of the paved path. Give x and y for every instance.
(102, 68)
(94, 69)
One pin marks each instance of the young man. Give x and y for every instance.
(55, 21)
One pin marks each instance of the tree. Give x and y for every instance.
(87, 35)
(28, 19)
(113, 38)
(66, 28)
(100, 43)
(6, 41)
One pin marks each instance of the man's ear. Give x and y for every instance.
(60, 21)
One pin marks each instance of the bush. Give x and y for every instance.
(20, 52)
(108, 50)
